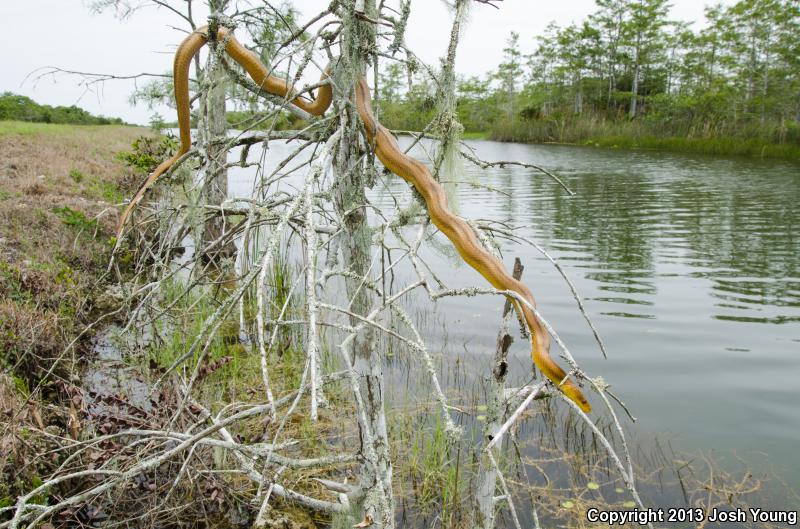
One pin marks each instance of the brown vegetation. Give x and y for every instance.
(59, 186)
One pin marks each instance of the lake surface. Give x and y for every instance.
(688, 265)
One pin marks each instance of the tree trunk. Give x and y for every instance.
(410, 77)
(634, 89)
(375, 480)
(216, 185)
(213, 128)
(765, 89)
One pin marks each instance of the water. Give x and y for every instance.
(688, 265)
(115, 393)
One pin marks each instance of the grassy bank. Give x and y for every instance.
(623, 134)
(485, 120)
(476, 135)
(59, 186)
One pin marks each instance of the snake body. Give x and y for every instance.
(392, 157)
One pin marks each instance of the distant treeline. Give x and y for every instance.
(21, 108)
(630, 76)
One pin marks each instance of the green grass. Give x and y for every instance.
(716, 146)
(476, 135)
(755, 141)
(104, 190)
(27, 128)
(76, 175)
(228, 370)
(76, 219)
(239, 367)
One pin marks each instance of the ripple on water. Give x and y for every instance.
(688, 264)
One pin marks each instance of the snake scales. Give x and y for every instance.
(388, 151)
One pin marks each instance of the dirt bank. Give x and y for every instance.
(59, 186)
(59, 190)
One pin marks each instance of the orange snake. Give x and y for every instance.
(388, 151)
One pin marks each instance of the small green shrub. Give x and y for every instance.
(76, 175)
(149, 151)
(70, 217)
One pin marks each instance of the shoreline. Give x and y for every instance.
(671, 144)
(752, 149)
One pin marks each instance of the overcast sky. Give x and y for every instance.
(64, 33)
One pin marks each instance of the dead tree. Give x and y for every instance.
(313, 200)
(353, 170)
(213, 127)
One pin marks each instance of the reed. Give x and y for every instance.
(753, 141)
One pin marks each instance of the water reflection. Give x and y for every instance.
(733, 223)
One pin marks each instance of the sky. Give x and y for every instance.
(66, 34)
